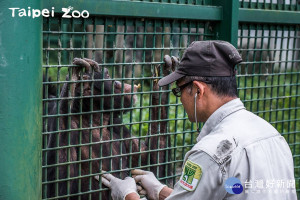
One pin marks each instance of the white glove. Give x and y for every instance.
(119, 188)
(148, 182)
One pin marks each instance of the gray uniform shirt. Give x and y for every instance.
(236, 143)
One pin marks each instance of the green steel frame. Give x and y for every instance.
(145, 9)
(135, 35)
(21, 104)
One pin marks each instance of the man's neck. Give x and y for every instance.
(216, 103)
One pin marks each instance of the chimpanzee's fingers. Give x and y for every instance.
(138, 172)
(142, 192)
(108, 176)
(105, 182)
(139, 188)
(175, 62)
(96, 177)
(93, 63)
(168, 61)
(85, 77)
(138, 178)
(82, 63)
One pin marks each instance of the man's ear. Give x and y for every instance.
(200, 86)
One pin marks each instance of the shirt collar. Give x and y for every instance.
(222, 112)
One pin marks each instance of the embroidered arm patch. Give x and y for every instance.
(191, 176)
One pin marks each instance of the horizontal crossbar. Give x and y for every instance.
(140, 9)
(269, 16)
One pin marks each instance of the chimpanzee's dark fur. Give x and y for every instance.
(51, 91)
(79, 154)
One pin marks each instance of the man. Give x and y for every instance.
(238, 155)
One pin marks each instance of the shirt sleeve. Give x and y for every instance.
(201, 179)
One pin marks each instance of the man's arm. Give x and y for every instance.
(132, 196)
(120, 189)
(165, 192)
(150, 184)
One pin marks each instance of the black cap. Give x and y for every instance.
(205, 58)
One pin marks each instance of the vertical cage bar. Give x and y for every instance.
(227, 29)
(21, 89)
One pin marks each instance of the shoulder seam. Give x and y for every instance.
(260, 139)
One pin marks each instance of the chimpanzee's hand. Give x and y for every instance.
(86, 63)
(119, 188)
(149, 182)
(171, 62)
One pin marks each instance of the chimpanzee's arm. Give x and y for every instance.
(134, 143)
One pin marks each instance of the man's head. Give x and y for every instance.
(205, 77)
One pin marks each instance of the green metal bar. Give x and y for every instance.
(254, 27)
(262, 92)
(139, 9)
(269, 16)
(228, 28)
(21, 103)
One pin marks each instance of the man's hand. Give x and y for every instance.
(119, 188)
(148, 182)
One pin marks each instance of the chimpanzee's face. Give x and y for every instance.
(115, 95)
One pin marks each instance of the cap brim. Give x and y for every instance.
(174, 76)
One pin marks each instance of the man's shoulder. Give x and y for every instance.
(242, 119)
(243, 127)
(236, 130)
(217, 146)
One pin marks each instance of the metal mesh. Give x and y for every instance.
(154, 133)
(268, 79)
(288, 5)
(193, 2)
(132, 51)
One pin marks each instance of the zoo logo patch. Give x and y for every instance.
(191, 176)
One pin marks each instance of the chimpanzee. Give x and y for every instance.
(88, 137)
(89, 105)
(49, 92)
